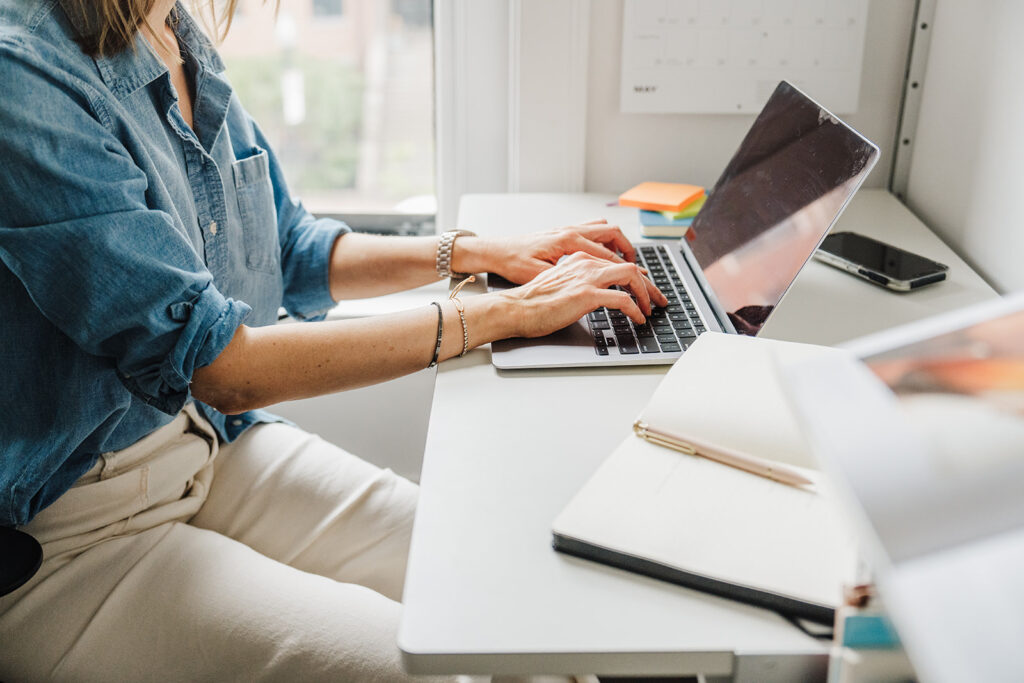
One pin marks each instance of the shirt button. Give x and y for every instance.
(237, 423)
(213, 227)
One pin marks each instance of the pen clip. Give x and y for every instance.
(642, 430)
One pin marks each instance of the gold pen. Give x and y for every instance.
(762, 468)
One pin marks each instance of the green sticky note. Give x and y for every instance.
(688, 212)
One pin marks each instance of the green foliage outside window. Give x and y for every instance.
(322, 152)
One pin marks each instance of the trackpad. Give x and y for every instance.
(577, 334)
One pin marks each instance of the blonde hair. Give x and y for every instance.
(109, 26)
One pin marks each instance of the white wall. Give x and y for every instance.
(624, 149)
(967, 171)
(527, 101)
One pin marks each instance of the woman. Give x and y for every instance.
(147, 239)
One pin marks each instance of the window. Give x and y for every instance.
(346, 99)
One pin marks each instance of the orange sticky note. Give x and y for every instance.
(661, 196)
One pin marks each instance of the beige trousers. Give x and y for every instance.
(281, 557)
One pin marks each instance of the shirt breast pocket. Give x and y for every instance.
(256, 207)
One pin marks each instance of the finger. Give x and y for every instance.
(596, 221)
(628, 275)
(638, 284)
(581, 243)
(611, 236)
(614, 298)
(657, 296)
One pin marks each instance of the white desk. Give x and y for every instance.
(486, 593)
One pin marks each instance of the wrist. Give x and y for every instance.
(490, 317)
(470, 254)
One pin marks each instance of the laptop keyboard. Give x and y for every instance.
(668, 329)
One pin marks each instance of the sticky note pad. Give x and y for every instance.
(661, 196)
(657, 218)
(689, 211)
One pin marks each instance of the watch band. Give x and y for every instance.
(444, 252)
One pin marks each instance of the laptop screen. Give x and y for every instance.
(785, 186)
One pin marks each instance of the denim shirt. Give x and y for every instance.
(131, 246)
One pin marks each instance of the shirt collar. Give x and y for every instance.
(134, 67)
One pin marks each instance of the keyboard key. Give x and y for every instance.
(598, 315)
(675, 309)
(649, 346)
(599, 325)
(668, 348)
(601, 350)
(628, 348)
(677, 316)
(681, 324)
(662, 329)
(644, 330)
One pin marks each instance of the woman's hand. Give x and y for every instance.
(577, 285)
(521, 258)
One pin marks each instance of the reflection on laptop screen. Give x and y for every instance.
(790, 178)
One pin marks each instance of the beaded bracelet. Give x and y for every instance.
(462, 312)
(440, 332)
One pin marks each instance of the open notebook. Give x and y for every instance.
(702, 524)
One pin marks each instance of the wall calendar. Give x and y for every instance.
(727, 56)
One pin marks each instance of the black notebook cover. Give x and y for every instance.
(778, 603)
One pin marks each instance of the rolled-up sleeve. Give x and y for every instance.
(116, 277)
(306, 245)
(207, 323)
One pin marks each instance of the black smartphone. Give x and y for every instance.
(878, 262)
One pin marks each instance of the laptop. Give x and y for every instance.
(793, 174)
